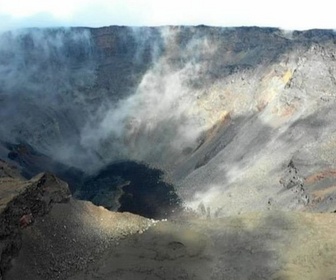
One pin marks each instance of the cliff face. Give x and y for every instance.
(244, 113)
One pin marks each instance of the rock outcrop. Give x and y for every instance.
(21, 203)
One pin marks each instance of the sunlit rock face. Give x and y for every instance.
(238, 118)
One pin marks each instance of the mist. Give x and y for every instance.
(161, 119)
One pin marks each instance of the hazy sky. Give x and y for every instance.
(286, 14)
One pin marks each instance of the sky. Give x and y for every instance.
(285, 14)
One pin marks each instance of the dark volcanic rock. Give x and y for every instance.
(131, 187)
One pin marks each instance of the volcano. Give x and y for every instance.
(173, 152)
